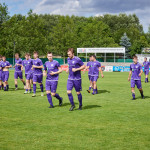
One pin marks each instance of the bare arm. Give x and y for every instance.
(8, 66)
(130, 73)
(40, 67)
(44, 73)
(59, 71)
(141, 72)
(100, 69)
(78, 69)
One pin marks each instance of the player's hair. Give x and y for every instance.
(0, 56)
(93, 56)
(49, 53)
(146, 58)
(35, 52)
(27, 54)
(71, 50)
(17, 54)
(134, 57)
(4, 56)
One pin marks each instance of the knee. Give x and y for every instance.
(53, 94)
(34, 82)
(47, 92)
(78, 93)
(68, 92)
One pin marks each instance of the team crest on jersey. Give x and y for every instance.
(73, 62)
(52, 65)
(136, 67)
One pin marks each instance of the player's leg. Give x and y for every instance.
(78, 88)
(139, 86)
(94, 87)
(69, 92)
(132, 89)
(40, 79)
(0, 84)
(89, 90)
(53, 91)
(35, 79)
(15, 80)
(21, 78)
(27, 86)
(147, 73)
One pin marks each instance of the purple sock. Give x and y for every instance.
(57, 96)
(49, 99)
(4, 88)
(30, 90)
(16, 85)
(34, 88)
(133, 95)
(89, 88)
(94, 90)
(7, 86)
(71, 98)
(26, 89)
(80, 99)
(0, 87)
(147, 79)
(24, 83)
(41, 86)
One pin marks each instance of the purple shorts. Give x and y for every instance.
(38, 78)
(51, 86)
(28, 76)
(0, 75)
(89, 76)
(18, 74)
(74, 83)
(137, 83)
(94, 78)
(146, 72)
(5, 76)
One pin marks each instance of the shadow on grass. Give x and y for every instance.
(145, 97)
(91, 106)
(65, 104)
(103, 91)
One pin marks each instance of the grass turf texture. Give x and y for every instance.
(109, 120)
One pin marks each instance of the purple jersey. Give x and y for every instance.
(1, 65)
(52, 66)
(146, 65)
(37, 62)
(95, 68)
(75, 62)
(18, 68)
(28, 65)
(136, 69)
(5, 63)
(90, 68)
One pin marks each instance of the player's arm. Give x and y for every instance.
(141, 71)
(44, 73)
(39, 67)
(86, 67)
(67, 70)
(100, 69)
(8, 66)
(78, 69)
(58, 72)
(130, 73)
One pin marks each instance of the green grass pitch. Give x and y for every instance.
(108, 121)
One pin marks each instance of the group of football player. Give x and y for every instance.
(34, 74)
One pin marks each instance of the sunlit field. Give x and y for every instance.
(109, 120)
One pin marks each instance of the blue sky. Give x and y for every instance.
(83, 8)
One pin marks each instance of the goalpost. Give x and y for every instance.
(119, 50)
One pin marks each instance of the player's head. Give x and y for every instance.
(35, 54)
(145, 59)
(17, 56)
(93, 57)
(90, 58)
(27, 56)
(70, 52)
(135, 59)
(50, 56)
(4, 58)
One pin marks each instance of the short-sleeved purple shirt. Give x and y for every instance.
(1, 65)
(28, 65)
(75, 62)
(52, 66)
(5, 63)
(136, 69)
(95, 68)
(37, 62)
(18, 68)
(90, 68)
(146, 65)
